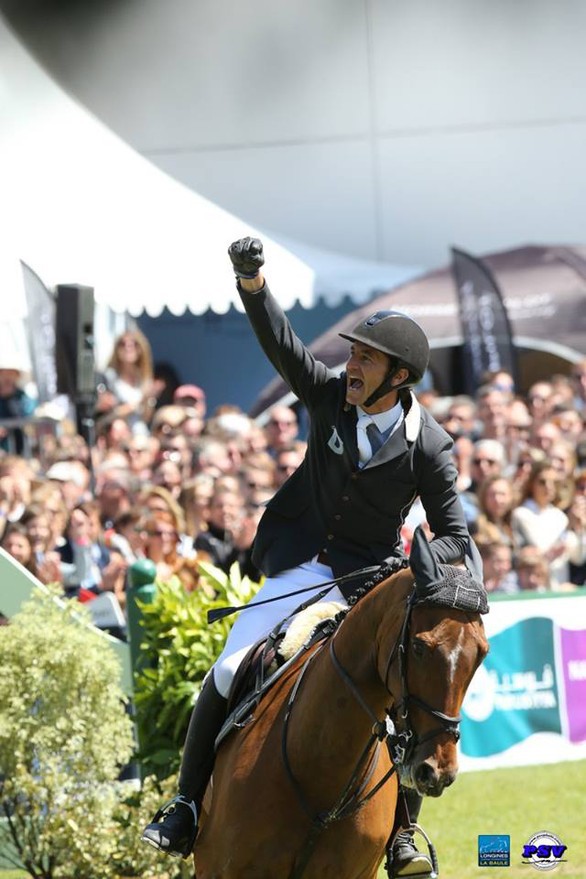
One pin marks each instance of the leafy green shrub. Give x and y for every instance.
(177, 651)
(64, 734)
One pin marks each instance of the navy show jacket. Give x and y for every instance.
(329, 503)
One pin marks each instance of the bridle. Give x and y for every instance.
(401, 745)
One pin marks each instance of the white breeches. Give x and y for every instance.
(255, 623)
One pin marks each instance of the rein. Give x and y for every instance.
(349, 800)
(221, 612)
(401, 744)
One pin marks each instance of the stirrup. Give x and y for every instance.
(154, 833)
(183, 801)
(413, 828)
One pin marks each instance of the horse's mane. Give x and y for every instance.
(457, 587)
(386, 570)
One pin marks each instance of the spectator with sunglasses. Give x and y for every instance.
(281, 428)
(488, 459)
(159, 539)
(287, 460)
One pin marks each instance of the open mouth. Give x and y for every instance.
(355, 384)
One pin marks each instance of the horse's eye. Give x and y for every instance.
(418, 648)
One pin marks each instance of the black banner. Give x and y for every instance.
(40, 328)
(488, 342)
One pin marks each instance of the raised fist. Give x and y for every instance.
(247, 257)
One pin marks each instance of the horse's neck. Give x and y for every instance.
(329, 706)
(374, 624)
(370, 631)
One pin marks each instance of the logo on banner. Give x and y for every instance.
(494, 851)
(515, 692)
(544, 851)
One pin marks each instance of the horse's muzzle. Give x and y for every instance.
(425, 778)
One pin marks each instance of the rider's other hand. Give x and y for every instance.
(247, 257)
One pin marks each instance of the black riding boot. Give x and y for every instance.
(403, 859)
(174, 827)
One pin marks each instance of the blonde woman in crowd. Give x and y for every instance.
(496, 501)
(47, 495)
(160, 538)
(128, 380)
(195, 500)
(538, 522)
(156, 498)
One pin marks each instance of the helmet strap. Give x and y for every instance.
(385, 386)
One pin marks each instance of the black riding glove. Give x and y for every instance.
(247, 257)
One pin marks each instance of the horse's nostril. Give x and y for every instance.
(425, 776)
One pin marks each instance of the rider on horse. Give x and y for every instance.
(341, 510)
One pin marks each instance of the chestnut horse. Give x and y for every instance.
(307, 788)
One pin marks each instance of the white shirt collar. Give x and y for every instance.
(386, 420)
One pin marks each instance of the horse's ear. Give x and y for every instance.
(422, 560)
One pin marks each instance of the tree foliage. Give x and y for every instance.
(65, 731)
(64, 734)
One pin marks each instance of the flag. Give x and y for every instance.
(488, 341)
(40, 328)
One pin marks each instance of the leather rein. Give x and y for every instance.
(401, 744)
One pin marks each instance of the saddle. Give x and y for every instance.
(261, 668)
(256, 665)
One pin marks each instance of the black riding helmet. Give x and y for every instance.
(402, 339)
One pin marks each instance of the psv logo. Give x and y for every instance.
(544, 851)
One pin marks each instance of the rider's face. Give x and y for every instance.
(366, 368)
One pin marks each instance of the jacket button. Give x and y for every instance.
(354, 476)
(330, 536)
(345, 498)
(337, 517)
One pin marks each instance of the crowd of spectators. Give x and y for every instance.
(521, 463)
(169, 481)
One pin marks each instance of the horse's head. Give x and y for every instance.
(441, 645)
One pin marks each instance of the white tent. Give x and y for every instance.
(80, 206)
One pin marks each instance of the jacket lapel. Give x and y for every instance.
(393, 447)
(399, 442)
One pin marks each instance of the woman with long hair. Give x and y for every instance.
(496, 501)
(539, 522)
(129, 380)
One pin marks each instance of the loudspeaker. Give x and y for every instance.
(74, 341)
